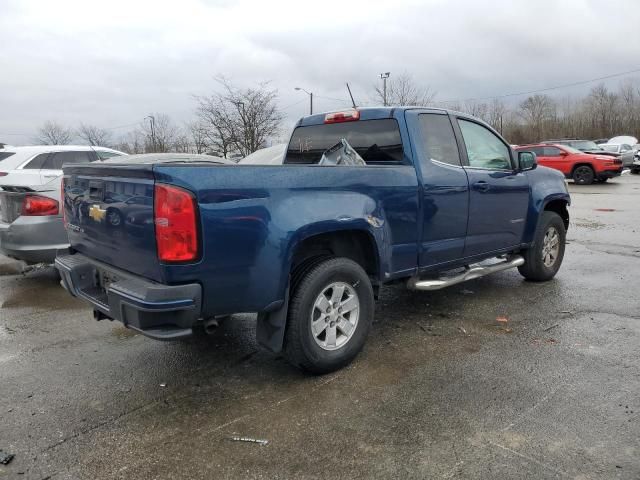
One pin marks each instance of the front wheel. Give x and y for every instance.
(330, 315)
(543, 259)
(583, 175)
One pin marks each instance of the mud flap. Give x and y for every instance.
(271, 326)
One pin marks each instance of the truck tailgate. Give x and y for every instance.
(109, 215)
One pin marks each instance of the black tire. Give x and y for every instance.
(534, 267)
(301, 347)
(603, 180)
(635, 171)
(583, 175)
(114, 218)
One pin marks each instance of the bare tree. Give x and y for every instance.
(198, 133)
(214, 119)
(603, 105)
(538, 111)
(132, 142)
(402, 90)
(52, 133)
(496, 114)
(237, 119)
(93, 135)
(160, 136)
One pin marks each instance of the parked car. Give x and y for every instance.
(31, 224)
(624, 152)
(635, 167)
(273, 155)
(426, 196)
(586, 146)
(583, 168)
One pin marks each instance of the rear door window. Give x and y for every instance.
(58, 159)
(439, 139)
(37, 162)
(4, 155)
(378, 142)
(551, 152)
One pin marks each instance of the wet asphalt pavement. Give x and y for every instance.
(442, 390)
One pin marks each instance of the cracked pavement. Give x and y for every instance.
(442, 389)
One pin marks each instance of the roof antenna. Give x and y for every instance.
(352, 100)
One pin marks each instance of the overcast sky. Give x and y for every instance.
(112, 62)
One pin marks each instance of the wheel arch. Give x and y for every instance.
(357, 244)
(559, 206)
(583, 164)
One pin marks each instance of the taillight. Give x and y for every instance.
(3, 174)
(175, 220)
(34, 205)
(339, 117)
(617, 161)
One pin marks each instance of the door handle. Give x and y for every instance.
(51, 176)
(481, 186)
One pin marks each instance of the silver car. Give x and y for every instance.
(623, 151)
(31, 223)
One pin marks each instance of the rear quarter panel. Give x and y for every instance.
(252, 218)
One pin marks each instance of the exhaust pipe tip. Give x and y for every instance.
(211, 325)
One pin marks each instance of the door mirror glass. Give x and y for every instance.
(527, 160)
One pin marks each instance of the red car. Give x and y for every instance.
(583, 168)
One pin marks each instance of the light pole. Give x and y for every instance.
(384, 77)
(310, 98)
(152, 122)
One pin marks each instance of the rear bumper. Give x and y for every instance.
(33, 239)
(163, 312)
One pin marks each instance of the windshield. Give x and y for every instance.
(571, 149)
(585, 145)
(610, 148)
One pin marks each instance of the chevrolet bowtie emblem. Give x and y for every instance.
(97, 213)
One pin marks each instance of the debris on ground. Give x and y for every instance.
(502, 319)
(423, 328)
(548, 341)
(461, 328)
(163, 385)
(250, 440)
(464, 291)
(550, 328)
(5, 457)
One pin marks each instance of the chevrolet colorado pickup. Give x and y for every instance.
(429, 197)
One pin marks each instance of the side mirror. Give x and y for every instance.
(563, 153)
(527, 161)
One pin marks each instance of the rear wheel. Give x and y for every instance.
(583, 175)
(635, 171)
(543, 259)
(330, 314)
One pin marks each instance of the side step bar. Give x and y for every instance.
(471, 272)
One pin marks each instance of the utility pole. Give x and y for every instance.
(310, 98)
(152, 122)
(384, 77)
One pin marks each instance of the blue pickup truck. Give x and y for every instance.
(166, 244)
